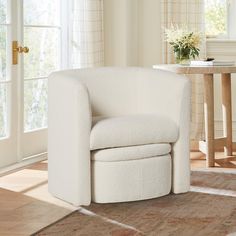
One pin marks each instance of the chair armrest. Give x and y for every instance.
(69, 128)
(181, 149)
(169, 94)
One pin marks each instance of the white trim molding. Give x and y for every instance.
(221, 47)
(22, 164)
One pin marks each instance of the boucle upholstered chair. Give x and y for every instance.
(118, 134)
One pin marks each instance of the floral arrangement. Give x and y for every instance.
(184, 43)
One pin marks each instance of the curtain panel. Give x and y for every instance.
(87, 39)
(190, 14)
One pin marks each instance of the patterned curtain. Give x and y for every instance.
(87, 34)
(187, 13)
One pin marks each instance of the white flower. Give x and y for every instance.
(185, 43)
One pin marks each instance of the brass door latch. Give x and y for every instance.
(16, 50)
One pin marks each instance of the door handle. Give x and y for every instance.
(16, 50)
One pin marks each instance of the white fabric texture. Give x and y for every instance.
(133, 130)
(75, 96)
(131, 180)
(188, 13)
(131, 153)
(68, 144)
(87, 34)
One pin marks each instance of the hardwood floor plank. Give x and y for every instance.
(25, 204)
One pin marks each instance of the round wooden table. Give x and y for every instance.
(208, 146)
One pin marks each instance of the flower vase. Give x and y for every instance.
(182, 61)
(182, 58)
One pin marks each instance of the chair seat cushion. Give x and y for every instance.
(132, 130)
(131, 153)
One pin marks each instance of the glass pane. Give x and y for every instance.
(216, 17)
(35, 104)
(3, 110)
(44, 55)
(43, 12)
(3, 11)
(3, 52)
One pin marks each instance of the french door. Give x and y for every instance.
(31, 39)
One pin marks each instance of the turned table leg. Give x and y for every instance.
(227, 112)
(209, 118)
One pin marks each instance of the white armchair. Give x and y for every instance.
(118, 134)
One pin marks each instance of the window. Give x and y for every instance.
(216, 18)
(44, 27)
(42, 34)
(219, 18)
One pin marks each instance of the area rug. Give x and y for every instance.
(208, 209)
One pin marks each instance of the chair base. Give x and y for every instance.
(132, 180)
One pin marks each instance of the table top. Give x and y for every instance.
(187, 69)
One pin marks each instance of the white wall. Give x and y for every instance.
(132, 32)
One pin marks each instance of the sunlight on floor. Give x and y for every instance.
(23, 180)
(32, 182)
(90, 213)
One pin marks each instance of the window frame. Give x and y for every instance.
(231, 31)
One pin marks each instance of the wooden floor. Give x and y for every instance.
(198, 161)
(26, 206)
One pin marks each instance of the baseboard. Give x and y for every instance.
(21, 165)
(194, 147)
